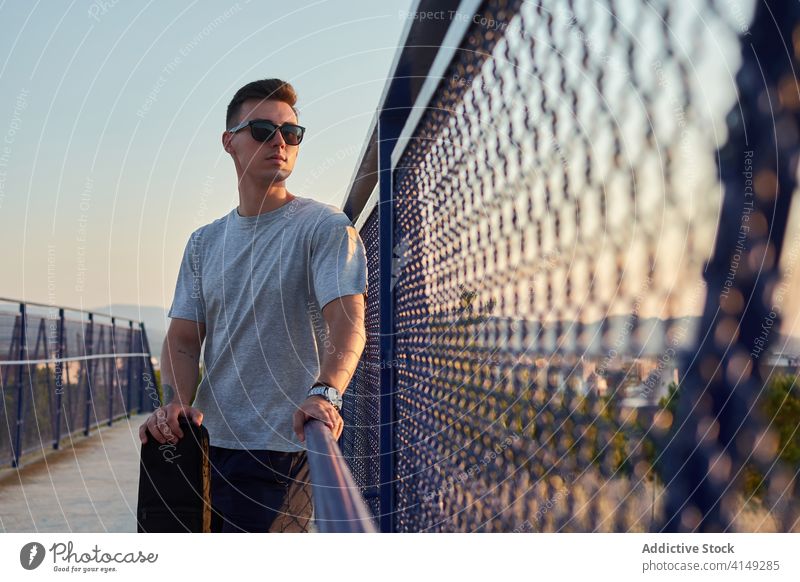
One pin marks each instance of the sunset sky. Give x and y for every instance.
(111, 115)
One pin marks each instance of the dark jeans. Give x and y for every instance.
(259, 491)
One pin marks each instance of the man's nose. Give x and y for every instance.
(277, 139)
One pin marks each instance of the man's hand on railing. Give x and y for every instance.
(319, 408)
(163, 422)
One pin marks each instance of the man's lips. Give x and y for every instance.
(277, 157)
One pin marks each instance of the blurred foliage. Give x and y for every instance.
(779, 406)
(599, 427)
(670, 401)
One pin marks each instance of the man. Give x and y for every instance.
(276, 290)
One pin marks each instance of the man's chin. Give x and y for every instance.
(273, 178)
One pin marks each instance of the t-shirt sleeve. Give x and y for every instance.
(338, 260)
(188, 300)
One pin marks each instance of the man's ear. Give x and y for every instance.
(226, 141)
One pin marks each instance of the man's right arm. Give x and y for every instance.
(180, 360)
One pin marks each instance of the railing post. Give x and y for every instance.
(113, 372)
(69, 421)
(695, 500)
(89, 351)
(129, 370)
(23, 354)
(146, 346)
(389, 128)
(59, 378)
(140, 373)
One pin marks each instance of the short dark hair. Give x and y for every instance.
(263, 89)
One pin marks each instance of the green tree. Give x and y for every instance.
(779, 405)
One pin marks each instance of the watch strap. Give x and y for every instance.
(321, 388)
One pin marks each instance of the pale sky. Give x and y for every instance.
(110, 121)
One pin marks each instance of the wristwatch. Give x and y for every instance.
(328, 392)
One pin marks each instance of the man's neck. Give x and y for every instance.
(256, 199)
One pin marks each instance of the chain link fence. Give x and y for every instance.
(581, 279)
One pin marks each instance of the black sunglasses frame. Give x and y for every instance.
(262, 122)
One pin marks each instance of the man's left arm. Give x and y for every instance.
(344, 317)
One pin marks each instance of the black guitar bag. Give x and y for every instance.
(174, 483)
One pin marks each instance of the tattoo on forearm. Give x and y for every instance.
(191, 355)
(168, 390)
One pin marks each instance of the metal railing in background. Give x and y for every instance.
(338, 505)
(573, 216)
(64, 371)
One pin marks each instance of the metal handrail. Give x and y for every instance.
(73, 309)
(338, 504)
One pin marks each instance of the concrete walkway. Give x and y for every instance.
(90, 485)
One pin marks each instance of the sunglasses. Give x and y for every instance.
(263, 130)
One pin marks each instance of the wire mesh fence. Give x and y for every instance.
(63, 372)
(581, 277)
(361, 436)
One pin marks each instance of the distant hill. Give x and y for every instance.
(652, 330)
(651, 335)
(787, 345)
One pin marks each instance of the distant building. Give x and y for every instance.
(776, 364)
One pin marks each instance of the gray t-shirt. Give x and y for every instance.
(259, 284)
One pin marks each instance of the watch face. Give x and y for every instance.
(333, 396)
(330, 393)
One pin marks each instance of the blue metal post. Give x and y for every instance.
(146, 346)
(113, 366)
(389, 128)
(59, 378)
(140, 374)
(695, 500)
(129, 370)
(23, 355)
(89, 352)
